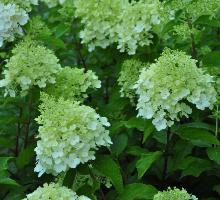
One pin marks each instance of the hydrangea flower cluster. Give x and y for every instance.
(127, 23)
(69, 134)
(174, 194)
(54, 191)
(37, 29)
(129, 74)
(73, 83)
(184, 32)
(30, 65)
(12, 18)
(194, 9)
(25, 4)
(168, 87)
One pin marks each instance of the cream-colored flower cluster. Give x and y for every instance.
(69, 134)
(12, 17)
(129, 24)
(192, 10)
(30, 65)
(174, 194)
(167, 89)
(73, 83)
(54, 191)
(129, 74)
(24, 4)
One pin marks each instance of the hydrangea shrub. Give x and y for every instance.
(109, 99)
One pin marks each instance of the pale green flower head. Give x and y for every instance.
(184, 32)
(73, 83)
(215, 72)
(67, 11)
(167, 89)
(25, 4)
(37, 29)
(128, 24)
(193, 9)
(12, 18)
(174, 194)
(130, 71)
(30, 65)
(69, 134)
(54, 191)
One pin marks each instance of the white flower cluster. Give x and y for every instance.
(73, 83)
(12, 17)
(118, 21)
(174, 194)
(69, 135)
(166, 86)
(192, 10)
(54, 191)
(129, 74)
(30, 65)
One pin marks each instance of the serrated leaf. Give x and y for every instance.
(8, 181)
(214, 154)
(60, 30)
(147, 132)
(138, 191)
(193, 166)
(198, 137)
(135, 150)
(137, 123)
(4, 163)
(108, 167)
(212, 59)
(25, 156)
(217, 189)
(146, 160)
(206, 20)
(119, 144)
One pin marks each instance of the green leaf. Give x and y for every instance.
(61, 29)
(206, 20)
(5, 142)
(4, 163)
(138, 191)
(8, 181)
(193, 166)
(135, 150)
(147, 132)
(146, 160)
(108, 167)
(217, 189)
(214, 154)
(119, 144)
(137, 123)
(25, 156)
(212, 59)
(198, 137)
(5, 180)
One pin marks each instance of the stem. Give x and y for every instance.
(166, 154)
(18, 132)
(106, 97)
(216, 124)
(27, 127)
(193, 44)
(100, 189)
(77, 48)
